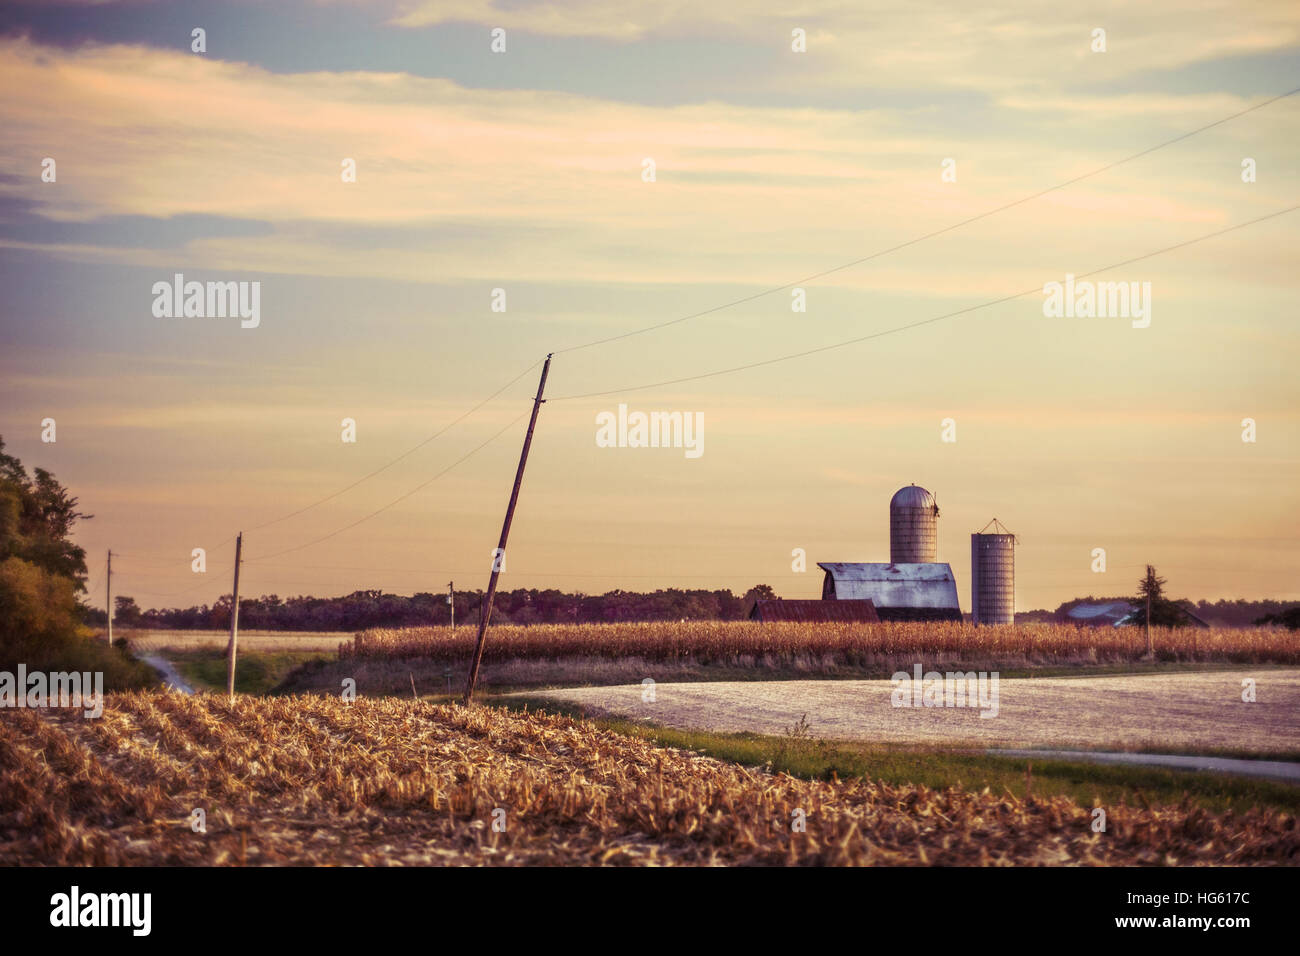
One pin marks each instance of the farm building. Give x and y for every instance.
(912, 586)
(1099, 614)
(814, 612)
(1118, 614)
(899, 592)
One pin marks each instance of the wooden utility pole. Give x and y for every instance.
(108, 595)
(451, 602)
(234, 622)
(499, 557)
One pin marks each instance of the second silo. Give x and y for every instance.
(913, 527)
(993, 575)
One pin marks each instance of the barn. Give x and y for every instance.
(898, 592)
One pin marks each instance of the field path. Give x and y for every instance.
(1264, 769)
(1188, 711)
(171, 677)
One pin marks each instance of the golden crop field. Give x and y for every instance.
(315, 780)
(160, 640)
(741, 642)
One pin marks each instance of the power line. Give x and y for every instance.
(395, 501)
(138, 554)
(914, 325)
(931, 235)
(158, 594)
(366, 477)
(405, 454)
(163, 562)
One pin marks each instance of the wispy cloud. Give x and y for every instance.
(376, 293)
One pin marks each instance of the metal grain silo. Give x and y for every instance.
(993, 575)
(913, 526)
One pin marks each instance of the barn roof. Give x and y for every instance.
(1107, 612)
(895, 585)
(1118, 613)
(814, 612)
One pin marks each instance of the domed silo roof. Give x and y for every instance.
(912, 496)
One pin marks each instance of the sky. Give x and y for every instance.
(525, 170)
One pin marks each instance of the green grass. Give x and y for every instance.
(1089, 784)
(256, 672)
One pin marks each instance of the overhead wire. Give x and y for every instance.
(395, 501)
(394, 461)
(935, 233)
(914, 325)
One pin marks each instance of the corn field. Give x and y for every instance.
(742, 642)
(315, 780)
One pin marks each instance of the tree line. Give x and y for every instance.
(363, 609)
(376, 608)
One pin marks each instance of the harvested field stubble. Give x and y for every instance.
(305, 780)
(744, 643)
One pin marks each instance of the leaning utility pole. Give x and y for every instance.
(108, 595)
(451, 602)
(499, 557)
(234, 622)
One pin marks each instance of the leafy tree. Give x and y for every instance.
(36, 517)
(1290, 618)
(41, 573)
(126, 612)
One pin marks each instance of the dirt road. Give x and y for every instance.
(171, 677)
(1287, 770)
(1190, 711)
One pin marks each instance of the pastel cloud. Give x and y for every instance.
(550, 176)
(471, 186)
(987, 46)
